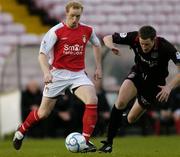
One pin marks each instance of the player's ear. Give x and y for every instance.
(155, 40)
(66, 13)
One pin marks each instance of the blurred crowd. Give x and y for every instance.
(68, 112)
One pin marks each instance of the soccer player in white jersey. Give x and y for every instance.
(62, 60)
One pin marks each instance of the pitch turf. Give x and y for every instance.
(151, 146)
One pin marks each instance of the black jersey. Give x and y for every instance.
(153, 65)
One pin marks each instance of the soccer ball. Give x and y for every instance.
(75, 142)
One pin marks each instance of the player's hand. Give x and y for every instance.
(48, 78)
(116, 51)
(98, 73)
(163, 95)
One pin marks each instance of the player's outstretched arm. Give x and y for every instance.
(108, 41)
(163, 95)
(176, 80)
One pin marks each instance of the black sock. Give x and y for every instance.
(114, 123)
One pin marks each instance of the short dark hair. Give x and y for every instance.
(146, 32)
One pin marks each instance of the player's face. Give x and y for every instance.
(73, 17)
(146, 44)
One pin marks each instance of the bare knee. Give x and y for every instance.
(46, 107)
(92, 100)
(131, 119)
(120, 105)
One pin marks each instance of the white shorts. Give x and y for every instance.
(63, 79)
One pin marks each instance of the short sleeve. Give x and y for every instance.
(174, 53)
(48, 42)
(124, 38)
(94, 39)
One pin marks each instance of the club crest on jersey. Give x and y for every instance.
(84, 38)
(178, 55)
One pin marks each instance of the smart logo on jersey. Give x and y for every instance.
(73, 49)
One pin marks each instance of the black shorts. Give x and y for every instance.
(147, 89)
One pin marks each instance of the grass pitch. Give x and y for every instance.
(132, 146)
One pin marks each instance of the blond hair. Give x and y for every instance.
(74, 4)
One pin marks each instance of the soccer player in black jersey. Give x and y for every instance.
(146, 80)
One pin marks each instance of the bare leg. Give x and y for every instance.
(135, 113)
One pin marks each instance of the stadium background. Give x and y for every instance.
(21, 31)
